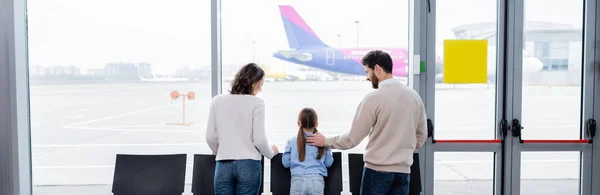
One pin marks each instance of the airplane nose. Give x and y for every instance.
(533, 65)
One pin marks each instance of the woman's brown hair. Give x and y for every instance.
(308, 120)
(247, 76)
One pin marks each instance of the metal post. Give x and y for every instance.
(216, 62)
(357, 35)
(15, 147)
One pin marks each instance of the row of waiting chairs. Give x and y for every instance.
(165, 175)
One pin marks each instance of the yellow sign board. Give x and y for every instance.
(465, 61)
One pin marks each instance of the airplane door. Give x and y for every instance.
(330, 57)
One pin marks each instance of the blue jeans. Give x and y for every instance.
(312, 184)
(237, 177)
(381, 183)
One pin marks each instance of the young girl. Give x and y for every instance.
(308, 164)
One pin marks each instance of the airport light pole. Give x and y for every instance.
(357, 37)
(339, 40)
(253, 49)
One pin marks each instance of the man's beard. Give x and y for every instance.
(375, 82)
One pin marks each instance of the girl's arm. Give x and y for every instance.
(286, 157)
(328, 157)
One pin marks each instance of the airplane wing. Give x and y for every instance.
(295, 54)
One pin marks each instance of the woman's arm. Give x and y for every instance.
(212, 138)
(258, 131)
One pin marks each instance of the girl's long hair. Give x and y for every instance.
(308, 120)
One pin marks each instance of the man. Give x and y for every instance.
(394, 118)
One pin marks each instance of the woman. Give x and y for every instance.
(236, 134)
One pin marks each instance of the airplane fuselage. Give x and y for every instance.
(347, 61)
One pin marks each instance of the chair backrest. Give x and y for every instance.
(262, 174)
(333, 181)
(281, 177)
(149, 174)
(415, 187)
(356, 166)
(204, 172)
(355, 171)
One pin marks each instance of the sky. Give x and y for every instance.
(173, 34)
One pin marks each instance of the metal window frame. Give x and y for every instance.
(428, 93)
(589, 80)
(516, 10)
(593, 71)
(216, 48)
(514, 74)
(15, 147)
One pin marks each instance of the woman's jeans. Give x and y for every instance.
(312, 184)
(237, 177)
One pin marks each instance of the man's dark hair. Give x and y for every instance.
(247, 76)
(378, 57)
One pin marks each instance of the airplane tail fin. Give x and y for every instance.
(299, 34)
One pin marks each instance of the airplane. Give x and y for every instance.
(307, 49)
(272, 75)
(278, 75)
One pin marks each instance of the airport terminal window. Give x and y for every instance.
(553, 55)
(464, 173)
(551, 100)
(465, 111)
(289, 39)
(562, 121)
(102, 74)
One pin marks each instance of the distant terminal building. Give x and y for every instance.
(144, 70)
(121, 71)
(558, 46)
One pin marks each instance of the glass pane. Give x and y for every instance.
(311, 53)
(552, 69)
(465, 111)
(467, 173)
(101, 75)
(550, 173)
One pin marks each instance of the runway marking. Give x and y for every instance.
(131, 130)
(198, 129)
(123, 114)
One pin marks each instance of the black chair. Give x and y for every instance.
(280, 176)
(415, 176)
(204, 174)
(149, 174)
(356, 164)
(333, 181)
(355, 171)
